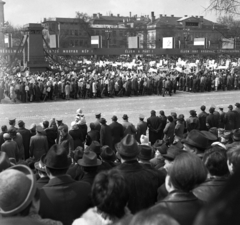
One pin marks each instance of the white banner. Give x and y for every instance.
(167, 43)
(199, 41)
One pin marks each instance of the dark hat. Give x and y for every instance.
(227, 134)
(170, 118)
(78, 153)
(209, 135)
(125, 116)
(230, 107)
(17, 183)
(203, 107)
(160, 146)
(40, 165)
(11, 120)
(20, 123)
(146, 152)
(4, 161)
(128, 147)
(59, 120)
(57, 158)
(97, 114)
(103, 121)
(172, 153)
(197, 139)
(220, 107)
(237, 104)
(236, 135)
(214, 130)
(95, 147)
(114, 118)
(89, 159)
(108, 154)
(141, 116)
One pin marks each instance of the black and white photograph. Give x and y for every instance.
(119, 112)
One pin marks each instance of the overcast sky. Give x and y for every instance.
(20, 12)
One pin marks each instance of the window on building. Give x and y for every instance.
(76, 42)
(191, 24)
(80, 43)
(76, 32)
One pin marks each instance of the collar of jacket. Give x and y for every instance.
(217, 181)
(180, 196)
(131, 162)
(63, 179)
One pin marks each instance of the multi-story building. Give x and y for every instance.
(184, 30)
(115, 30)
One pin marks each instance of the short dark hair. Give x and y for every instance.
(161, 113)
(170, 118)
(233, 155)
(187, 171)
(215, 159)
(4, 128)
(45, 124)
(109, 193)
(92, 126)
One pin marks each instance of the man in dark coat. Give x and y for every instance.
(25, 137)
(92, 135)
(163, 120)
(116, 131)
(211, 120)
(62, 199)
(153, 123)
(97, 122)
(141, 127)
(230, 119)
(105, 134)
(128, 128)
(51, 133)
(202, 118)
(142, 183)
(4, 130)
(237, 111)
(38, 144)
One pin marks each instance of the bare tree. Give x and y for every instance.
(232, 25)
(15, 31)
(84, 22)
(225, 6)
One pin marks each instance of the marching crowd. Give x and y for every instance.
(165, 170)
(80, 78)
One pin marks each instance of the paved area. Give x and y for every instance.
(180, 103)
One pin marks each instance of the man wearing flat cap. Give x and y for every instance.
(116, 131)
(192, 122)
(12, 123)
(142, 183)
(63, 198)
(10, 147)
(141, 128)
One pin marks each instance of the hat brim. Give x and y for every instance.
(37, 167)
(82, 163)
(28, 172)
(192, 143)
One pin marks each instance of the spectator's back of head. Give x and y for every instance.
(233, 156)
(4, 128)
(215, 159)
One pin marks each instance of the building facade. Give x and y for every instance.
(115, 30)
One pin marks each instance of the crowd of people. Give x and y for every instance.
(164, 170)
(82, 77)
